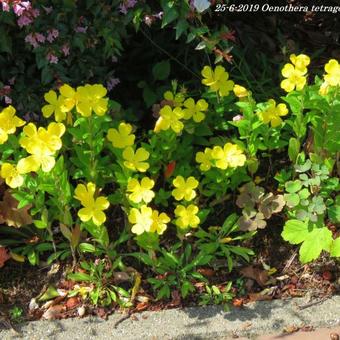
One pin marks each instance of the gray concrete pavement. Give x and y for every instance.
(260, 318)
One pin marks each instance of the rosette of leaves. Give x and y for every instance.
(306, 195)
(257, 206)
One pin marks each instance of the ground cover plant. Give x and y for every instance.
(136, 214)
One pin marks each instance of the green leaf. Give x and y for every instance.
(335, 248)
(293, 186)
(293, 149)
(46, 75)
(170, 14)
(334, 213)
(317, 240)
(295, 231)
(87, 248)
(181, 27)
(49, 294)
(292, 200)
(79, 277)
(161, 70)
(186, 288)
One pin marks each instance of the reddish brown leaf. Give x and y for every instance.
(206, 272)
(238, 302)
(72, 302)
(4, 256)
(141, 306)
(259, 297)
(54, 312)
(259, 275)
(170, 168)
(327, 275)
(10, 214)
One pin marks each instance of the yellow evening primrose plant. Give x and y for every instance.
(141, 219)
(295, 73)
(91, 99)
(8, 123)
(273, 113)
(332, 76)
(140, 191)
(195, 110)
(184, 188)
(69, 97)
(159, 222)
(121, 137)
(55, 105)
(170, 118)
(187, 216)
(92, 207)
(231, 156)
(217, 80)
(136, 160)
(42, 144)
(204, 158)
(176, 99)
(240, 91)
(12, 176)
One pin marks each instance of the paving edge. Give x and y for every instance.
(211, 322)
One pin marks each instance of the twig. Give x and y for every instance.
(123, 318)
(316, 302)
(289, 262)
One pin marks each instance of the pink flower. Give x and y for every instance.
(52, 58)
(24, 21)
(5, 6)
(52, 35)
(126, 4)
(66, 49)
(8, 100)
(31, 39)
(111, 83)
(40, 37)
(80, 29)
(20, 8)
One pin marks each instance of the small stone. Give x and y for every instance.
(81, 311)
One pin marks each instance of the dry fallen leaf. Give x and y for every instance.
(54, 312)
(10, 214)
(259, 297)
(4, 256)
(259, 275)
(72, 302)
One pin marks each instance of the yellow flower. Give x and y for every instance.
(169, 118)
(70, 97)
(205, 159)
(141, 219)
(90, 98)
(332, 69)
(55, 105)
(159, 222)
(135, 160)
(272, 113)
(93, 208)
(177, 99)
(187, 216)
(231, 156)
(295, 73)
(324, 88)
(141, 191)
(122, 137)
(300, 62)
(195, 110)
(184, 188)
(11, 175)
(42, 145)
(217, 80)
(8, 123)
(240, 91)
